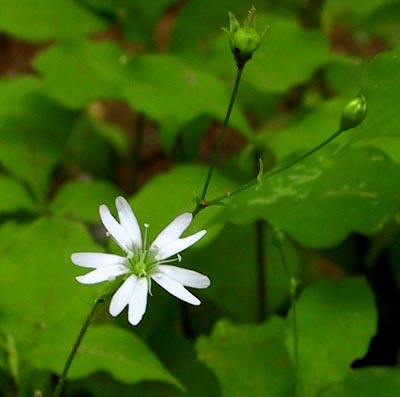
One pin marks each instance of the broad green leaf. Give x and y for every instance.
(249, 360)
(233, 253)
(46, 310)
(307, 133)
(335, 322)
(78, 72)
(384, 23)
(337, 10)
(287, 56)
(136, 19)
(105, 348)
(382, 92)
(13, 196)
(163, 87)
(198, 23)
(33, 133)
(38, 20)
(344, 76)
(172, 92)
(81, 200)
(366, 382)
(324, 198)
(38, 285)
(170, 194)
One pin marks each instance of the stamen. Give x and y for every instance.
(146, 226)
(177, 259)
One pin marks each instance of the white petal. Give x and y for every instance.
(174, 288)
(122, 296)
(138, 301)
(186, 277)
(108, 273)
(115, 229)
(96, 260)
(179, 245)
(173, 231)
(129, 221)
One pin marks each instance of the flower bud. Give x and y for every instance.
(244, 40)
(353, 113)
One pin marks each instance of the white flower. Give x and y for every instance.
(140, 264)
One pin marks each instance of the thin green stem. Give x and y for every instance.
(269, 174)
(75, 347)
(223, 132)
(292, 293)
(261, 268)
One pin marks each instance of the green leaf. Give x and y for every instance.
(105, 348)
(249, 360)
(78, 72)
(335, 322)
(14, 196)
(36, 259)
(172, 92)
(383, 95)
(366, 382)
(170, 194)
(322, 199)
(136, 19)
(339, 9)
(226, 254)
(45, 313)
(46, 19)
(82, 199)
(198, 22)
(33, 133)
(275, 66)
(307, 133)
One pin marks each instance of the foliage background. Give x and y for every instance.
(106, 97)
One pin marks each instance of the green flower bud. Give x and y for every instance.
(244, 40)
(353, 113)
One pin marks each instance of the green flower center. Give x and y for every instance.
(139, 268)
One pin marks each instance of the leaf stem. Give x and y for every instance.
(75, 347)
(293, 283)
(255, 181)
(261, 268)
(223, 132)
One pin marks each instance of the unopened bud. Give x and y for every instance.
(244, 40)
(353, 113)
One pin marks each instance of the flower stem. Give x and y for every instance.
(255, 181)
(261, 268)
(223, 132)
(292, 293)
(75, 347)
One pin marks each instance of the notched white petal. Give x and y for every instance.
(122, 296)
(186, 277)
(173, 231)
(115, 229)
(96, 260)
(99, 275)
(175, 289)
(179, 245)
(138, 301)
(128, 221)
